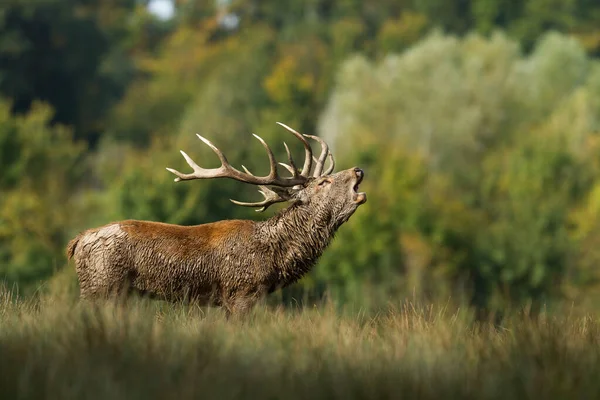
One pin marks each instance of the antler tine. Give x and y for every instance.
(331, 167)
(271, 197)
(199, 171)
(272, 162)
(292, 166)
(307, 151)
(324, 153)
(247, 171)
(289, 168)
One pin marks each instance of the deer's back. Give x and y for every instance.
(162, 259)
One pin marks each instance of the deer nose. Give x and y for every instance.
(359, 173)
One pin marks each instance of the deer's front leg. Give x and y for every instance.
(240, 304)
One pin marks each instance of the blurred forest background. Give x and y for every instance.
(476, 121)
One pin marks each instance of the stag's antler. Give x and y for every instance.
(228, 171)
(320, 163)
(272, 196)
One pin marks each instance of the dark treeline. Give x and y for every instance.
(476, 121)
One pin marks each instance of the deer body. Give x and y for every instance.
(231, 263)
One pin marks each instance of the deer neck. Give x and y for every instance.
(297, 236)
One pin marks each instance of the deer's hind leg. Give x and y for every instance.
(102, 262)
(103, 276)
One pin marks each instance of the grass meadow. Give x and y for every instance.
(54, 347)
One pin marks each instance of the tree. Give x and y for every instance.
(502, 140)
(41, 168)
(69, 54)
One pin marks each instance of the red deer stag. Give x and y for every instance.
(231, 263)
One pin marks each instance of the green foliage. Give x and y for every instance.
(453, 15)
(480, 151)
(507, 131)
(155, 101)
(375, 233)
(397, 35)
(66, 53)
(140, 187)
(524, 248)
(40, 172)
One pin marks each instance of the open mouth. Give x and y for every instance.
(358, 197)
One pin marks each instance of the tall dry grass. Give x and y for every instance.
(57, 348)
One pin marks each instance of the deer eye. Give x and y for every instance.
(324, 182)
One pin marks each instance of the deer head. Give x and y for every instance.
(314, 185)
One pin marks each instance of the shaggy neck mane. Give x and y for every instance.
(297, 236)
